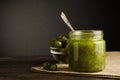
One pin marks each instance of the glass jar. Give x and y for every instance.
(86, 50)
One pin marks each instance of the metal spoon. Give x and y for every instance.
(64, 18)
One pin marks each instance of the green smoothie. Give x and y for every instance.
(86, 51)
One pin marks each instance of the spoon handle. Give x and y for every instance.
(64, 18)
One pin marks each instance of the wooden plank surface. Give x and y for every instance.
(19, 69)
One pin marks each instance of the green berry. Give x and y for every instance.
(46, 65)
(62, 38)
(53, 67)
(58, 44)
(49, 66)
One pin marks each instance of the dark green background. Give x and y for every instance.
(27, 26)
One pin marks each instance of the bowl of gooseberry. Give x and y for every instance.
(58, 48)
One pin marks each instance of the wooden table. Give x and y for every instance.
(18, 68)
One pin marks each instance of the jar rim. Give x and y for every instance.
(79, 32)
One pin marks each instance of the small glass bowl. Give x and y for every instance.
(59, 54)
